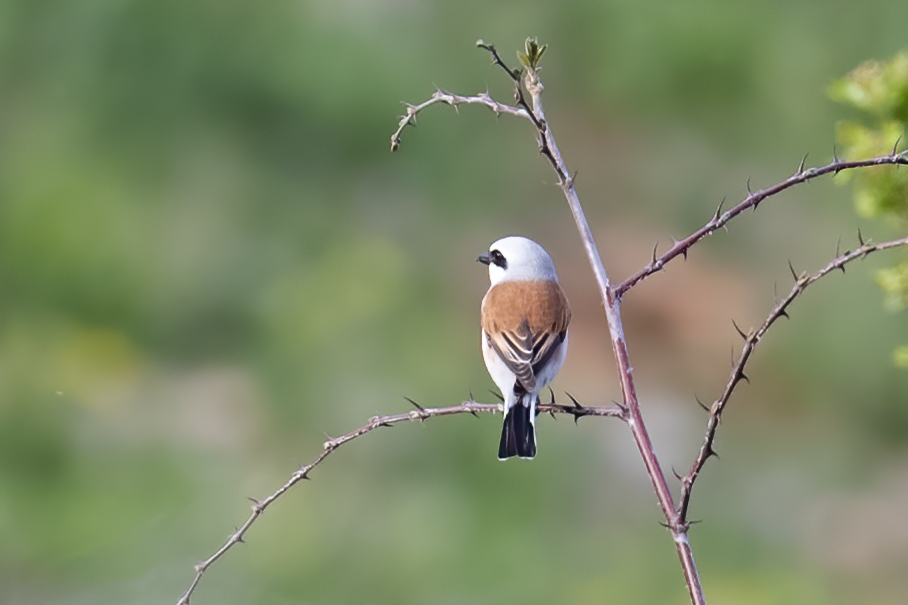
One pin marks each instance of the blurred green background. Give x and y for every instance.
(209, 260)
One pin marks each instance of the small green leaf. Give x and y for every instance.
(533, 53)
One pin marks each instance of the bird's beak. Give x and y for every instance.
(485, 258)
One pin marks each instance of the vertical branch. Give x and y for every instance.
(611, 301)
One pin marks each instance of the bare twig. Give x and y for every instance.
(753, 199)
(420, 413)
(440, 96)
(751, 339)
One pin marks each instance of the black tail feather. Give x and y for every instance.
(518, 435)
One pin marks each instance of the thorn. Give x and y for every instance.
(577, 407)
(784, 313)
(419, 407)
(861, 238)
(747, 185)
(740, 331)
(718, 212)
(838, 253)
(497, 395)
(835, 160)
(552, 396)
(801, 165)
(792, 269)
(655, 248)
(742, 376)
(472, 399)
(677, 476)
(701, 404)
(624, 410)
(569, 179)
(895, 148)
(710, 452)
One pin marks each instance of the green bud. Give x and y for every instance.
(533, 53)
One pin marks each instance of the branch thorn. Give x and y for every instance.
(419, 407)
(718, 212)
(574, 401)
(577, 406)
(739, 330)
(838, 246)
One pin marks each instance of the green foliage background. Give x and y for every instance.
(209, 259)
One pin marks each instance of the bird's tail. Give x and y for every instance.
(518, 435)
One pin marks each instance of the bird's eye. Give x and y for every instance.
(499, 259)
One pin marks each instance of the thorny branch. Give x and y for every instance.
(753, 200)
(750, 342)
(441, 96)
(420, 413)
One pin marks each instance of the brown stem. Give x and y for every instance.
(612, 302)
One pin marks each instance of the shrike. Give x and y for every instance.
(525, 317)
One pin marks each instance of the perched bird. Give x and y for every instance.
(525, 317)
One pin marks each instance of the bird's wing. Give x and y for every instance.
(545, 344)
(517, 349)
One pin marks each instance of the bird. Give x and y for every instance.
(524, 316)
